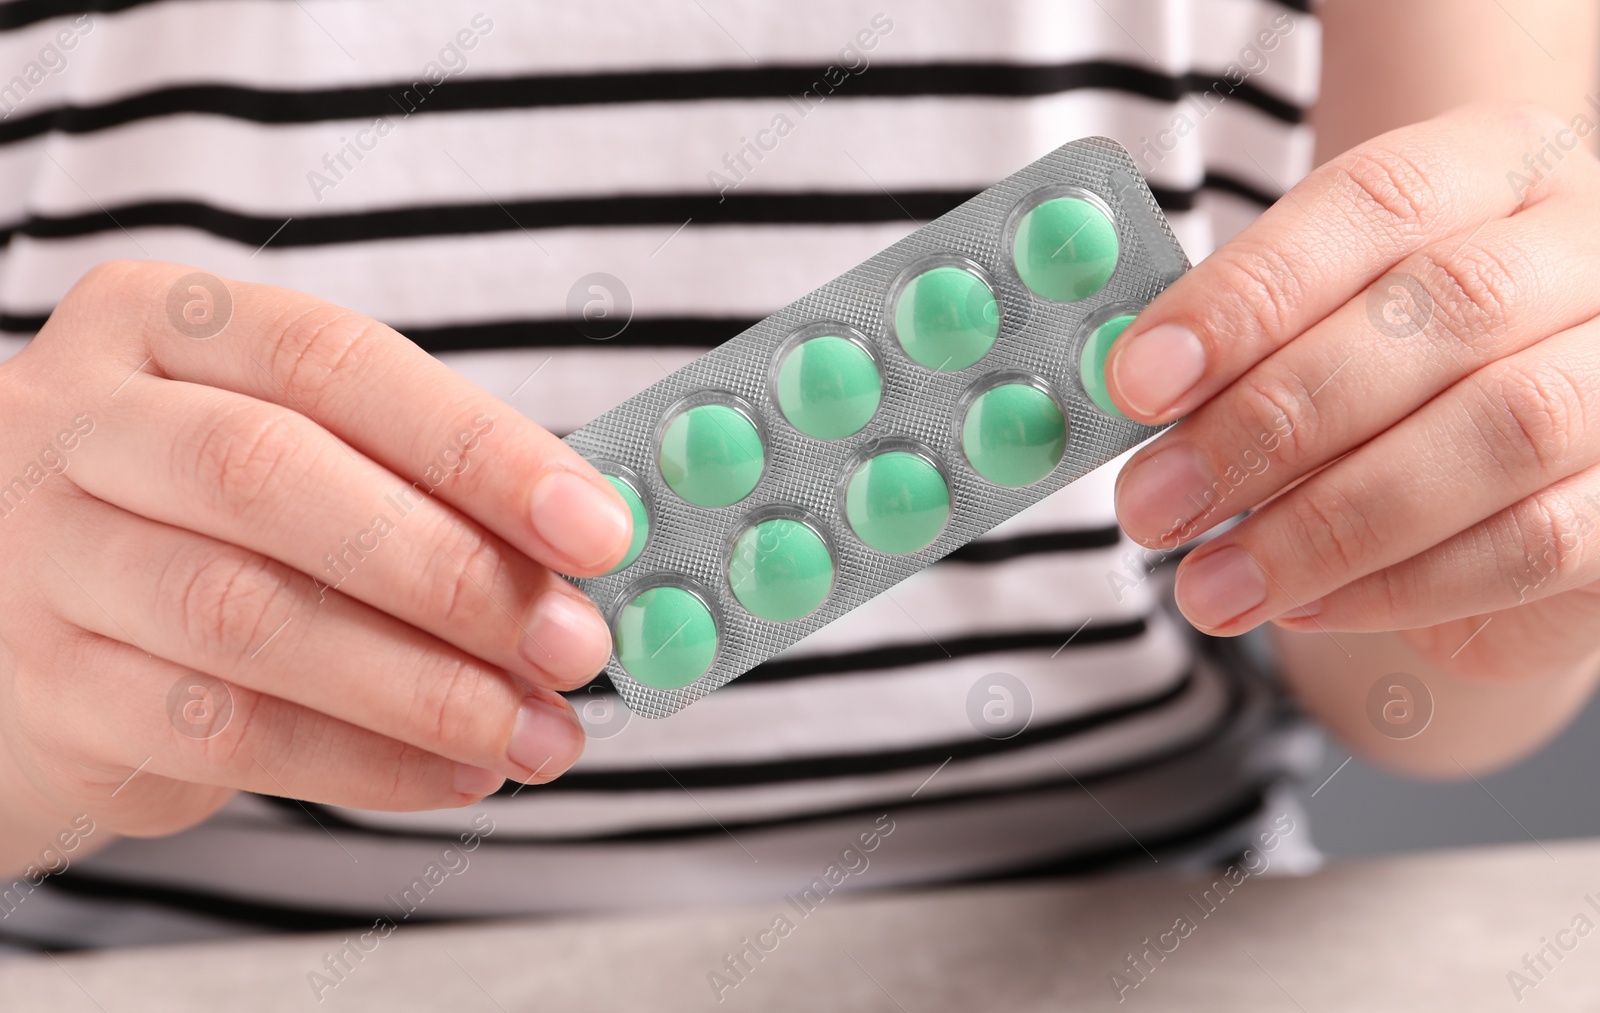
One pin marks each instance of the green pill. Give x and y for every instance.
(829, 387)
(711, 455)
(1065, 249)
(665, 637)
(1014, 434)
(897, 502)
(641, 521)
(946, 319)
(1092, 367)
(780, 570)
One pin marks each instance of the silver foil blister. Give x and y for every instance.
(1039, 340)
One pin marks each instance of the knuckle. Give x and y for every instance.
(1548, 533)
(117, 275)
(223, 600)
(247, 741)
(451, 705)
(1531, 120)
(1278, 403)
(42, 708)
(239, 456)
(1527, 414)
(33, 718)
(1475, 289)
(316, 346)
(97, 293)
(462, 579)
(414, 784)
(1329, 536)
(1265, 285)
(1393, 186)
(1397, 591)
(450, 459)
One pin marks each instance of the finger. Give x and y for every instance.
(1501, 434)
(265, 478)
(1494, 292)
(376, 391)
(1543, 546)
(219, 609)
(146, 727)
(1330, 237)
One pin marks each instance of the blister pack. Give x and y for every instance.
(876, 424)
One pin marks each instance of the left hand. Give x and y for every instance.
(1398, 367)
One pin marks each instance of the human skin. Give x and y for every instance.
(1429, 500)
(191, 485)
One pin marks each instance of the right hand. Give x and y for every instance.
(176, 500)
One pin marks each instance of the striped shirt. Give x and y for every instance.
(1031, 704)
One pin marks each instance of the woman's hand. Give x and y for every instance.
(1398, 368)
(255, 541)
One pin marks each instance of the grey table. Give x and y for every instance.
(1420, 933)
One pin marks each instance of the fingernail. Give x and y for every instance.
(1220, 587)
(1165, 492)
(579, 520)
(546, 739)
(475, 781)
(1153, 368)
(566, 638)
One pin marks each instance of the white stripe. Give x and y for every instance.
(335, 43)
(1049, 591)
(743, 272)
(904, 143)
(890, 709)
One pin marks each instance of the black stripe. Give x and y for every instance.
(18, 324)
(1172, 752)
(398, 100)
(664, 209)
(655, 332)
(42, 944)
(263, 914)
(902, 655)
(1246, 807)
(998, 550)
(817, 768)
(669, 210)
(21, 13)
(641, 332)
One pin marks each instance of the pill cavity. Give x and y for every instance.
(1092, 365)
(641, 520)
(897, 502)
(780, 569)
(1014, 434)
(665, 637)
(1065, 249)
(711, 455)
(829, 387)
(946, 318)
